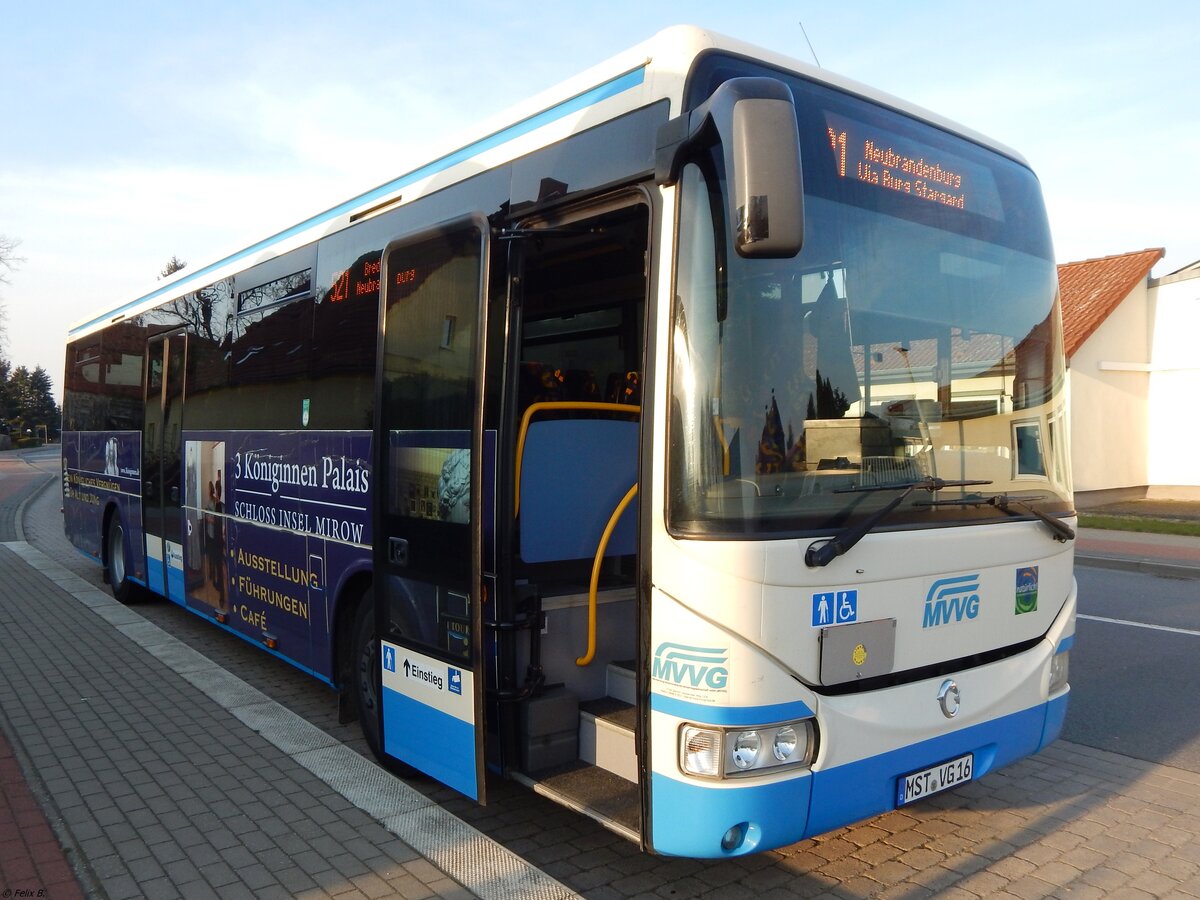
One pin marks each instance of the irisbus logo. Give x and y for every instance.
(951, 600)
(702, 668)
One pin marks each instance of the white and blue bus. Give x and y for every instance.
(690, 446)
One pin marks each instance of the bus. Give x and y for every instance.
(688, 444)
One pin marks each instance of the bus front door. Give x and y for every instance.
(429, 502)
(166, 357)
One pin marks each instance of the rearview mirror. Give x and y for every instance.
(754, 120)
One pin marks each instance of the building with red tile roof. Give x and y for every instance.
(1134, 377)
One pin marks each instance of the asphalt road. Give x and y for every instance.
(22, 473)
(1135, 667)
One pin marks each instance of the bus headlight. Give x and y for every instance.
(786, 742)
(746, 746)
(731, 752)
(1059, 670)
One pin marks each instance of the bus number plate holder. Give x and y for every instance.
(935, 779)
(858, 650)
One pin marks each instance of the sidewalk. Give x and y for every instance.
(1166, 555)
(166, 776)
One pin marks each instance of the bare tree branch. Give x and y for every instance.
(8, 264)
(9, 261)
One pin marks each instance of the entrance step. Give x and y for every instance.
(606, 728)
(599, 795)
(620, 681)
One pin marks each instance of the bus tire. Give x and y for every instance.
(116, 563)
(366, 686)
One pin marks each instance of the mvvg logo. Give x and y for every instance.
(951, 600)
(696, 667)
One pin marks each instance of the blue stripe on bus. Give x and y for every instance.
(254, 642)
(691, 817)
(428, 739)
(595, 95)
(1056, 714)
(1065, 644)
(730, 715)
(154, 576)
(249, 639)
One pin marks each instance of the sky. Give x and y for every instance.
(137, 131)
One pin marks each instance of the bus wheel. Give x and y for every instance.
(118, 565)
(366, 685)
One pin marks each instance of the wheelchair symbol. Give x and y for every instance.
(847, 607)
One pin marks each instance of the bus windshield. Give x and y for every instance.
(916, 336)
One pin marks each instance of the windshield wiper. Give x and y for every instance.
(822, 554)
(1062, 531)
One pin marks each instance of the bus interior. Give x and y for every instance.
(578, 326)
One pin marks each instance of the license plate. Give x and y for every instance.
(935, 779)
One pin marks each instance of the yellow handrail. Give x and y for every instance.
(568, 405)
(595, 582)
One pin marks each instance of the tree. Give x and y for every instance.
(8, 404)
(8, 264)
(27, 400)
(8, 257)
(43, 410)
(174, 264)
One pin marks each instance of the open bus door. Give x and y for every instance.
(166, 358)
(429, 502)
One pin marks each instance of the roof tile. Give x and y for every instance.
(1092, 289)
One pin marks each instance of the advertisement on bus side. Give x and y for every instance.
(268, 516)
(100, 468)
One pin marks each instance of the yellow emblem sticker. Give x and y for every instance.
(859, 655)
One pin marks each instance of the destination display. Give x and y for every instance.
(902, 164)
(361, 280)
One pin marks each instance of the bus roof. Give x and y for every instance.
(653, 70)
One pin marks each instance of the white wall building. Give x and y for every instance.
(1134, 377)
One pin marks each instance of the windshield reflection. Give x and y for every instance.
(894, 348)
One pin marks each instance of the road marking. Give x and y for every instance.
(1190, 631)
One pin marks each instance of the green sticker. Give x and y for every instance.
(1027, 590)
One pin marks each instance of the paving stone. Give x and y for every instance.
(137, 776)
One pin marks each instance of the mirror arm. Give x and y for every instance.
(677, 135)
(753, 119)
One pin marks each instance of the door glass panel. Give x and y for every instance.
(161, 463)
(429, 348)
(427, 555)
(429, 396)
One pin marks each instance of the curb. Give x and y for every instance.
(1142, 566)
(19, 515)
